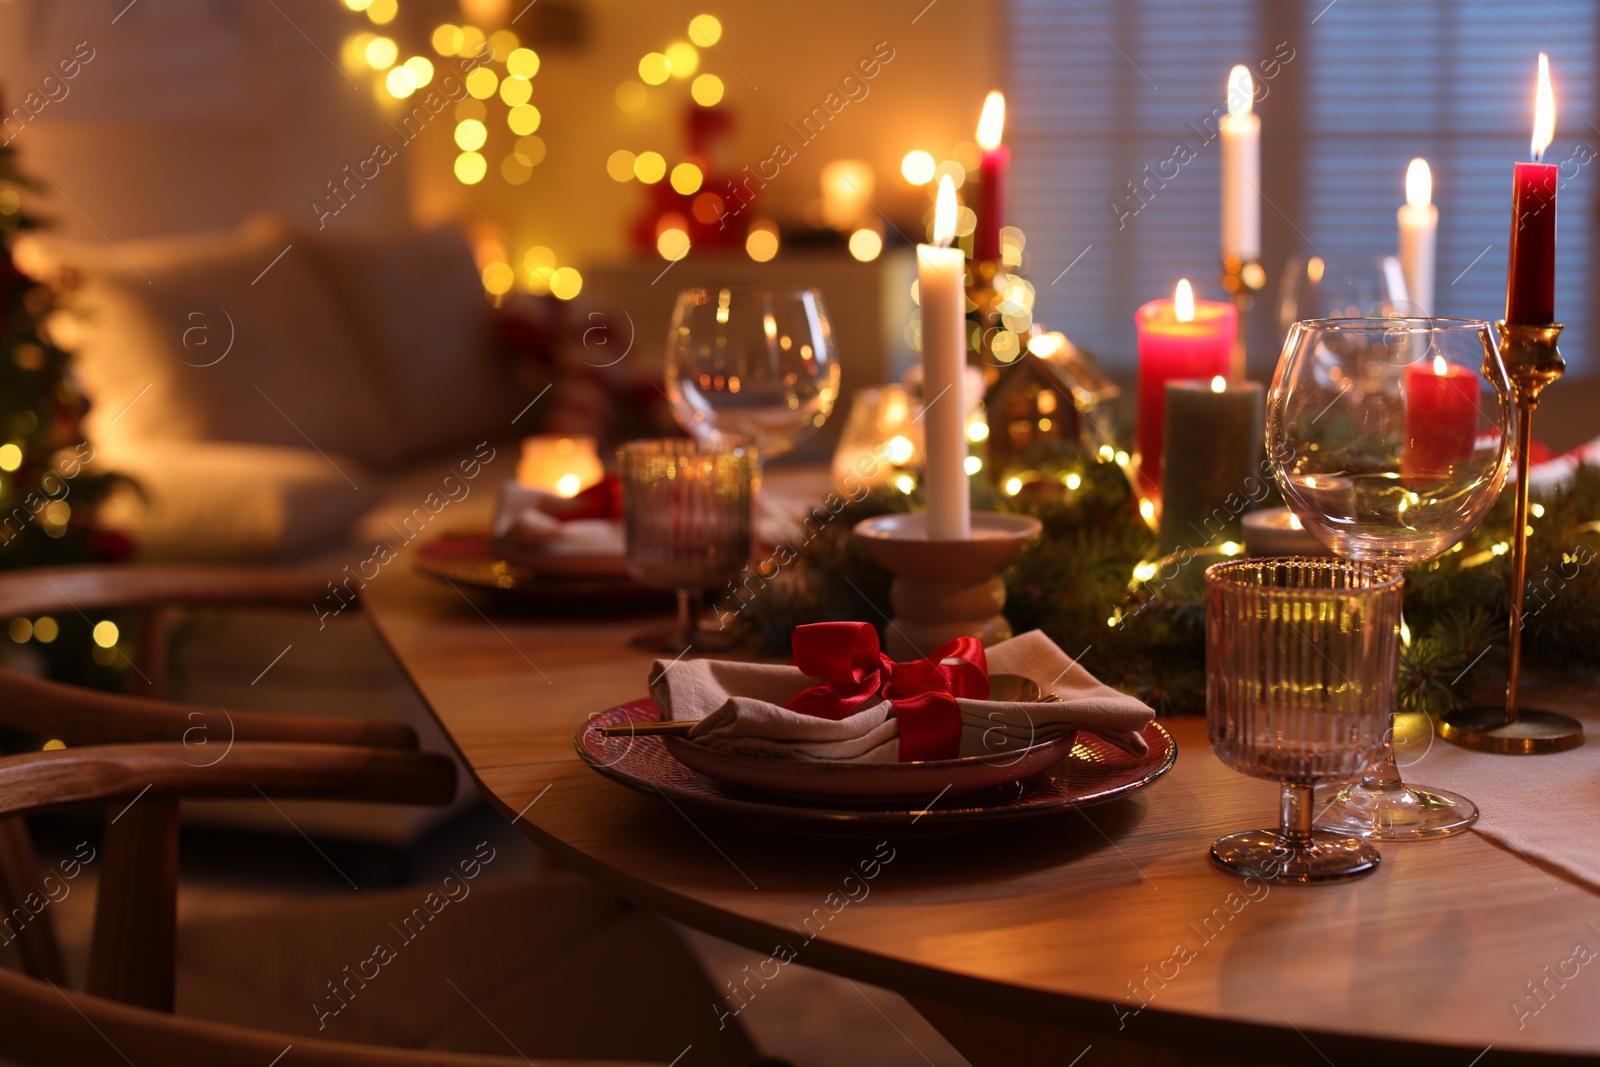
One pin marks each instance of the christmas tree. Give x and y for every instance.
(49, 480)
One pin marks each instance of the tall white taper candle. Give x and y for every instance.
(941, 285)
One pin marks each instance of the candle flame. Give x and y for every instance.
(1219, 384)
(1544, 111)
(1183, 301)
(1419, 183)
(944, 213)
(992, 123)
(1440, 367)
(1241, 91)
(1294, 522)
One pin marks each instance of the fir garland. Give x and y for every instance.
(1094, 584)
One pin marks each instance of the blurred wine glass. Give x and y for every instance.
(1389, 438)
(752, 363)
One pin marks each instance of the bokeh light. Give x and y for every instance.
(523, 119)
(565, 283)
(707, 90)
(682, 58)
(761, 243)
(381, 53)
(471, 134)
(686, 178)
(421, 68)
(673, 244)
(400, 82)
(620, 165)
(865, 245)
(649, 167)
(471, 167)
(515, 90)
(382, 12)
(502, 43)
(497, 278)
(705, 30)
(523, 62)
(482, 82)
(654, 68)
(447, 39)
(631, 97)
(917, 167)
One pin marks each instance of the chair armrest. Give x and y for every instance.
(106, 774)
(90, 717)
(44, 589)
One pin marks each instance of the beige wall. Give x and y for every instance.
(194, 114)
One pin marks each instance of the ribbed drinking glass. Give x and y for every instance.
(686, 516)
(1301, 657)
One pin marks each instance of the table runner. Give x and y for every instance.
(1546, 807)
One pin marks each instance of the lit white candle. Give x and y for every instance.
(941, 284)
(563, 464)
(1241, 169)
(1419, 225)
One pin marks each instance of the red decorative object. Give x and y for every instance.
(1531, 274)
(1441, 418)
(991, 203)
(856, 673)
(1176, 346)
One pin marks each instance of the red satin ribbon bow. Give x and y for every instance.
(855, 674)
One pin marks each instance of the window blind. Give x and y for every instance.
(1103, 93)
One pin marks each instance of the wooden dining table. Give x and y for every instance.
(1105, 929)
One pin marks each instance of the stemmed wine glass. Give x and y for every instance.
(1300, 670)
(1389, 438)
(752, 363)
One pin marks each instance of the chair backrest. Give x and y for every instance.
(88, 717)
(125, 1013)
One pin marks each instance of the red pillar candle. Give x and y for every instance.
(991, 179)
(1181, 338)
(1441, 418)
(1531, 274)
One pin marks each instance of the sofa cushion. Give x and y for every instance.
(419, 308)
(208, 338)
(216, 502)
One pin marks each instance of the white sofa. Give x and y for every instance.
(286, 397)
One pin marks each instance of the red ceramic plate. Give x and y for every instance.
(869, 783)
(1094, 771)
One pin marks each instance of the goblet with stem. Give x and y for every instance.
(1390, 440)
(752, 363)
(686, 520)
(1300, 668)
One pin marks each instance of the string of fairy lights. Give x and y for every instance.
(499, 93)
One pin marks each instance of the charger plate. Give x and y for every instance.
(1094, 771)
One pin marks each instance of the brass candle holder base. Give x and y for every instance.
(1532, 361)
(1242, 279)
(945, 589)
(1532, 732)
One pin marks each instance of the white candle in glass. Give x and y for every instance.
(941, 285)
(1241, 169)
(1419, 225)
(563, 464)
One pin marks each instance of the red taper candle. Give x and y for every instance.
(991, 179)
(1531, 273)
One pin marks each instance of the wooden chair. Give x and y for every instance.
(137, 766)
(86, 717)
(45, 1024)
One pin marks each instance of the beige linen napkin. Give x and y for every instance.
(755, 722)
(525, 522)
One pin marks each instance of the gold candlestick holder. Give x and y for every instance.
(1242, 279)
(1533, 362)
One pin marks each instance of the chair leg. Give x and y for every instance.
(136, 912)
(34, 925)
(155, 634)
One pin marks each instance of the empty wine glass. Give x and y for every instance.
(686, 516)
(1300, 669)
(752, 363)
(1389, 438)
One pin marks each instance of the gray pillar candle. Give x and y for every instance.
(1212, 468)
